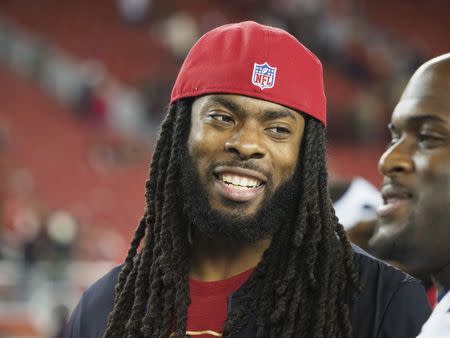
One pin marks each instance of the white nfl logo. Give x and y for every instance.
(264, 75)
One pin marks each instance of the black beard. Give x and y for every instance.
(277, 209)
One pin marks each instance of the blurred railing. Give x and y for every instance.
(32, 298)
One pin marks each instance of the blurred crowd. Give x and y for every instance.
(371, 62)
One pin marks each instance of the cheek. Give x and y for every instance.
(285, 160)
(199, 142)
(433, 166)
(203, 149)
(424, 166)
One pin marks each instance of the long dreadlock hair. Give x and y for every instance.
(301, 287)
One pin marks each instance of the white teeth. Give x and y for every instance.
(239, 181)
(252, 182)
(227, 178)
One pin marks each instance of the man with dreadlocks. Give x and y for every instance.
(239, 237)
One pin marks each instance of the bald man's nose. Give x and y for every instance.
(396, 159)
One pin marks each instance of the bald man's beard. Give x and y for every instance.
(418, 245)
(394, 247)
(278, 208)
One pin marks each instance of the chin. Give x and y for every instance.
(236, 210)
(230, 207)
(392, 227)
(390, 242)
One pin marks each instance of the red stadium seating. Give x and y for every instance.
(423, 24)
(53, 145)
(91, 30)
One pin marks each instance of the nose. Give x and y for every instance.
(397, 159)
(247, 143)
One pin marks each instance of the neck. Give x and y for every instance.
(217, 259)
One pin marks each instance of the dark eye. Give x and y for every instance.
(226, 119)
(427, 140)
(281, 130)
(278, 131)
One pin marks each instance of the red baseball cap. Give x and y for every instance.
(254, 60)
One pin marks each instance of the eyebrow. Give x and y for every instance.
(264, 115)
(427, 118)
(276, 114)
(227, 104)
(420, 119)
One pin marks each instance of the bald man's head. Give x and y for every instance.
(431, 79)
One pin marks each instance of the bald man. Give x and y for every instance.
(415, 218)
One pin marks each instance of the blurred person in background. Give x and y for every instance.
(356, 204)
(134, 11)
(239, 237)
(414, 221)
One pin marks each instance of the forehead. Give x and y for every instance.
(427, 94)
(414, 110)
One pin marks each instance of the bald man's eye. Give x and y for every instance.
(429, 140)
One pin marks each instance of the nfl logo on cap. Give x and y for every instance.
(264, 75)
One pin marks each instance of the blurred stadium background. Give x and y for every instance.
(84, 85)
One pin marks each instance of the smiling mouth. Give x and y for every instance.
(239, 182)
(395, 202)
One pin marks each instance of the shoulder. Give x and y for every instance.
(393, 303)
(388, 276)
(90, 316)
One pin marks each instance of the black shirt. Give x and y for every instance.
(392, 304)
